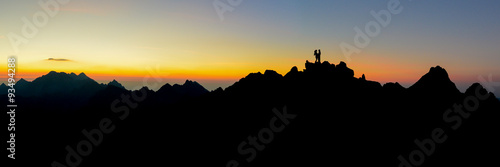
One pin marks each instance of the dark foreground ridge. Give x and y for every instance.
(321, 115)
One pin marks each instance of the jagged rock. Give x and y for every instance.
(116, 83)
(292, 73)
(436, 81)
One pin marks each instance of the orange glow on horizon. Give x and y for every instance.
(390, 72)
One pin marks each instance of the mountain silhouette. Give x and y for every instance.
(436, 79)
(3, 87)
(333, 118)
(60, 84)
(116, 83)
(71, 91)
(169, 94)
(189, 88)
(438, 82)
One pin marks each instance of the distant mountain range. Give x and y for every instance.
(333, 118)
(75, 91)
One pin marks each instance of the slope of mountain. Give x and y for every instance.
(189, 88)
(58, 84)
(436, 81)
(116, 83)
(169, 94)
(22, 87)
(350, 117)
(3, 88)
(337, 112)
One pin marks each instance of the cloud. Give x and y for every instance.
(52, 59)
(1, 36)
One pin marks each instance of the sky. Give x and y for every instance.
(173, 40)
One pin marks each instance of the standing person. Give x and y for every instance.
(316, 55)
(319, 56)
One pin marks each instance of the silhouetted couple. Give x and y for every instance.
(317, 53)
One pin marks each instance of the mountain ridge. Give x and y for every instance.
(436, 79)
(333, 110)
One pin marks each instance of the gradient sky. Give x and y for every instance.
(186, 39)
